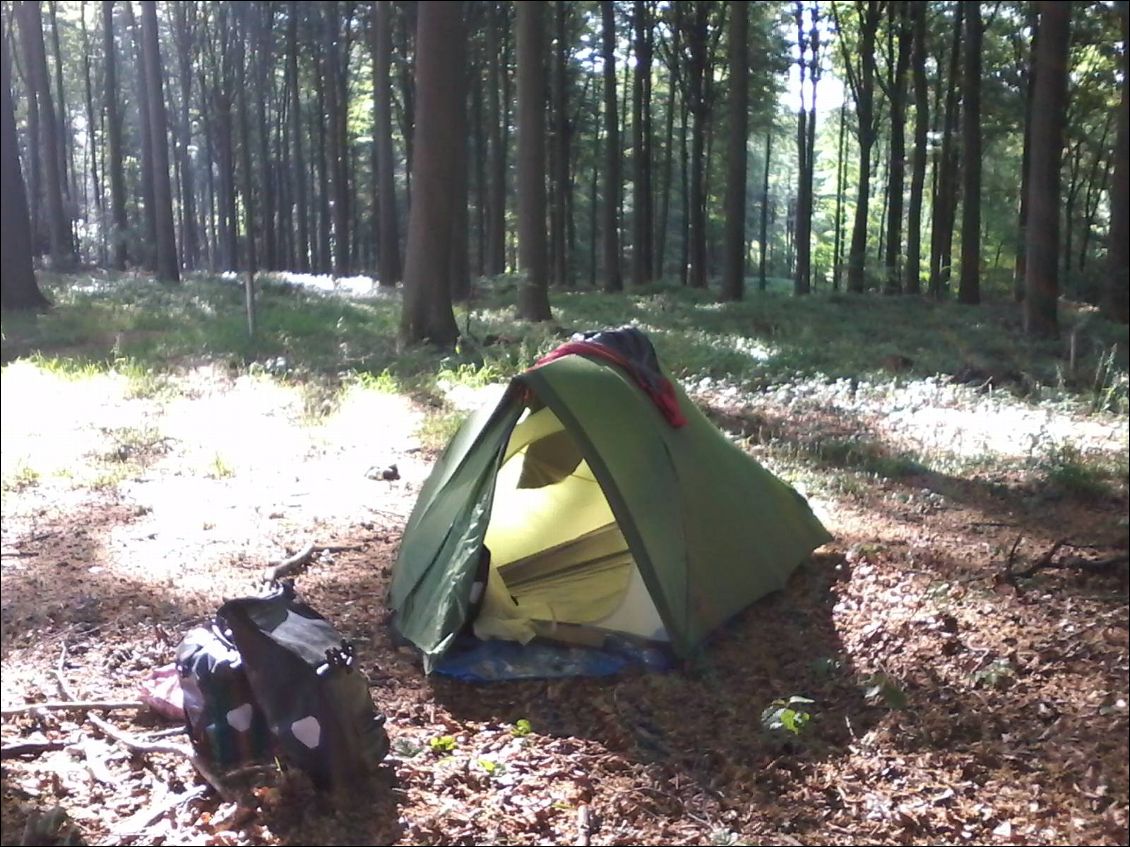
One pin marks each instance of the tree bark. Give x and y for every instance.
(945, 194)
(763, 237)
(613, 280)
(733, 266)
(673, 83)
(242, 11)
(642, 216)
(58, 226)
(1116, 302)
(1048, 112)
(533, 296)
(912, 276)
(561, 186)
(18, 287)
(969, 287)
(147, 249)
(696, 73)
(184, 15)
(838, 220)
(427, 313)
(263, 40)
(168, 269)
(496, 192)
(1020, 273)
(896, 172)
(118, 226)
(336, 116)
(389, 236)
(298, 172)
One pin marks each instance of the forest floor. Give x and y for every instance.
(153, 464)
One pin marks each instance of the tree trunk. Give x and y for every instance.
(147, 249)
(945, 195)
(184, 38)
(298, 172)
(613, 281)
(1020, 273)
(969, 287)
(1116, 302)
(533, 297)
(838, 221)
(34, 159)
(1048, 113)
(733, 267)
(660, 263)
(763, 237)
(389, 237)
(460, 268)
(168, 269)
(59, 230)
(696, 73)
(407, 17)
(242, 11)
(336, 118)
(896, 170)
(561, 186)
(261, 30)
(66, 147)
(496, 192)
(91, 145)
(642, 217)
(863, 91)
(118, 227)
(18, 288)
(427, 314)
(913, 270)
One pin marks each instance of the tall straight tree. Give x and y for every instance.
(147, 246)
(118, 227)
(562, 188)
(242, 12)
(58, 226)
(336, 112)
(642, 214)
(945, 189)
(18, 287)
(969, 285)
(861, 82)
(899, 22)
(613, 281)
(388, 235)
(298, 172)
(262, 43)
(533, 294)
(497, 75)
(1049, 108)
(1116, 302)
(168, 269)
(698, 103)
(184, 16)
(807, 41)
(427, 313)
(912, 272)
(733, 266)
(1019, 273)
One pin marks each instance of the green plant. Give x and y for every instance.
(493, 769)
(220, 469)
(997, 674)
(881, 687)
(443, 744)
(406, 748)
(521, 728)
(790, 715)
(24, 476)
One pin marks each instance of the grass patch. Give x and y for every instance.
(23, 476)
(438, 428)
(1069, 472)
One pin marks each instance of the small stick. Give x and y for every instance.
(288, 566)
(73, 706)
(11, 751)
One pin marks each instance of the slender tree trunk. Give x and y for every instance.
(246, 177)
(1048, 113)
(91, 139)
(335, 114)
(260, 30)
(864, 101)
(660, 264)
(168, 269)
(35, 188)
(389, 237)
(1020, 273)
(685, 193)
(298, 172)
(496, 193)
(31, 31)
(18, 287)
(696, 41)
(838, 239)
(733, 267)
(1116, 302)
(118, 226)
(440, 39)
(896, 171)
(533, 297)
(913, 270)
(969, 287)
(561, 188)
(184, 38)
(406, 64)
(147, 249)
(945, 195)
(66, 147)
(642, 217)
(460, 268)
(763, 237)
(613, 281)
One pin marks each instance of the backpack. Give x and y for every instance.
(308, 704)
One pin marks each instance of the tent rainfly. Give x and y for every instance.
(594, 499)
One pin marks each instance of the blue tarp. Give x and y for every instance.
(472, 660)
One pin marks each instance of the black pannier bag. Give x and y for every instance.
(313, 702)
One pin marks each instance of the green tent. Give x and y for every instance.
(599, 517)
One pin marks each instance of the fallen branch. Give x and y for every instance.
(136, 745)
(74, 706)
(1049, 562)
(137, 822)
(303, 557)
(27, 748)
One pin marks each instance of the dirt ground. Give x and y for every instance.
(949, 704)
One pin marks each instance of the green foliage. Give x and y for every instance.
(791, 715)
(997, 674)
(406, 748)
(882, 688)
(1070, 472)
(521, 728)
(23, 476)
(444, 745)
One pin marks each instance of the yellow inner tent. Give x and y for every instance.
(560, 567)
